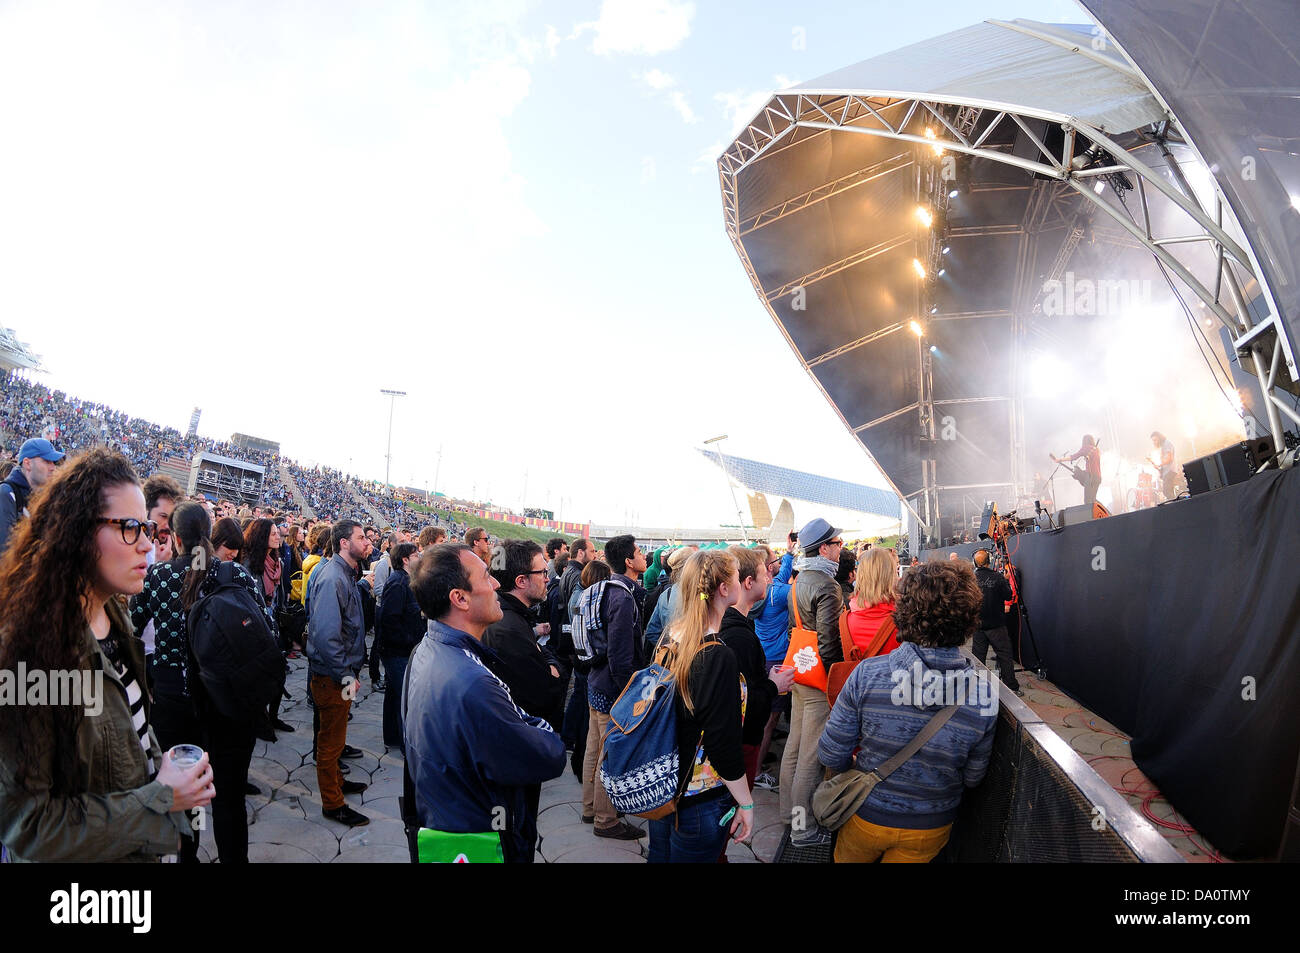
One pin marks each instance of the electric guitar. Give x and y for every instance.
(1079, 473)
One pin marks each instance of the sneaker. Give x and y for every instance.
(353, 787)
(621, 831)
(817, 837)
(766, 782)
(345, 815)
(344, 769)
(352, 753)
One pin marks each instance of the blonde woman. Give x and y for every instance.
(872, 602)
(710, 709)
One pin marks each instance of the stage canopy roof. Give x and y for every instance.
(903, 218)
(14, 354)
(808, 487)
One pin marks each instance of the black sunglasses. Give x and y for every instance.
(131, 529)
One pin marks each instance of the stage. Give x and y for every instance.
(1179, 626)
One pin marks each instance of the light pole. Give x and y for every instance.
(392, 396)
(730, 489)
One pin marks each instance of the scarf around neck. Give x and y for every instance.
(819, 563)
(271, 572)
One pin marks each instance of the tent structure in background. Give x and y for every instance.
(906, 220)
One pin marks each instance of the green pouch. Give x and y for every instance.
(441, 847)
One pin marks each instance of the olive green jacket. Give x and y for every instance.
(122, 815)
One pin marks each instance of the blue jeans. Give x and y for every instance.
(692, 835)
(394, 672)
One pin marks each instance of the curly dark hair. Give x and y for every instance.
(938, 604)
(50, 564)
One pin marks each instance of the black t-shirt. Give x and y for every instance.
(737, 633)
(996, 591)
(715, 697)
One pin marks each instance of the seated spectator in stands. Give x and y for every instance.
(85, 782)
(908, 816)
(462, 778)
(872, 601)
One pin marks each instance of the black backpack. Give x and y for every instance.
(235, 653)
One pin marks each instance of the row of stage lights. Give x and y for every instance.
(926, 217)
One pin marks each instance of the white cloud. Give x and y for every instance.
(642, 27)
(683, 108)
(707, 161)
(552, 41)
(658, 79)
(741, 106)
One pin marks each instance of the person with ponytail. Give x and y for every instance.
(229, 743)
(87, 781)
(710, 711)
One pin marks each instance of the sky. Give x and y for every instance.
(509, 210)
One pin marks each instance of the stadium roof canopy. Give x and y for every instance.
(1033, 149)
(14, 354)
(809, 487)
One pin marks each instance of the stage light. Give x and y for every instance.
(946, 249)
(935, 309)
(1295, 202)
(942, 271)
(933, 349)
(954, 193)
(1099, 187)
(929, 134)
(918, 267)
(916, 327)
(923, 216)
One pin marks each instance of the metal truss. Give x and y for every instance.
(1088, 155)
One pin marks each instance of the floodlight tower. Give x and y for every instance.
(392, 396)
(731, 489)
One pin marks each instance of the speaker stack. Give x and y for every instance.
(1226, 467)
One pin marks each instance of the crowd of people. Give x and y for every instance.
(527, 651)
(30, 409)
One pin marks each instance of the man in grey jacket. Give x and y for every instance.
(818, 599)
(336, 649)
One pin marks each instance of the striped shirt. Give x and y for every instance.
(135, 698)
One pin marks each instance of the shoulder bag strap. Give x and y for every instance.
(912, 747)
(794, 606)
(846, 639)
(887, 628)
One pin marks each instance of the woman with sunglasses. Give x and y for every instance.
(86, 781)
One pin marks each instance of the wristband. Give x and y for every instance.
(746, 807)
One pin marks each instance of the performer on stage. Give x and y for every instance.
(1165, 465)
(1091, 478)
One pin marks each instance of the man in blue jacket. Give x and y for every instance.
(471, 751)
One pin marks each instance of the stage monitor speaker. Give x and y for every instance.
(1203, 475)
(1073, 515)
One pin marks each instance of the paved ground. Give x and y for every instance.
(286, 826)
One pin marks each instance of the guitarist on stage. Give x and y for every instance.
(1090, 476)
(1165, 468)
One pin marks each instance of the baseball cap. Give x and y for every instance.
(37, 447)
(814, 534)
